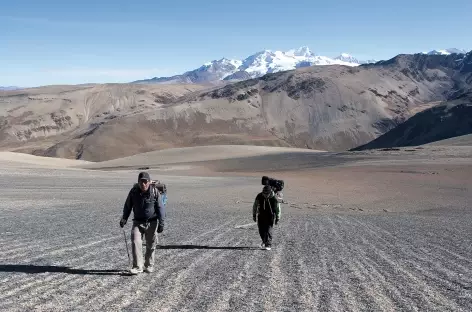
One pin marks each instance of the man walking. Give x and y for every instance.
(266, 210)
(149, 214)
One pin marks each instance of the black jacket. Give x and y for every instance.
(145, 206)
(266, 209)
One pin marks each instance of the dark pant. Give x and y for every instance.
(265, 231)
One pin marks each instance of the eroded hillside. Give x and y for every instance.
(321, 107)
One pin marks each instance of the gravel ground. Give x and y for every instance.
(61, 248)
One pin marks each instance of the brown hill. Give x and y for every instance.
(321, 107)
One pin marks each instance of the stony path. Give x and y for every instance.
(61, 249)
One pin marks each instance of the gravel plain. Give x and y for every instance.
(345, 242)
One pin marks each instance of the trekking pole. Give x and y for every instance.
(127, 250)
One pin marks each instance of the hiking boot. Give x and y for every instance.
(149, 269)
(135, 271)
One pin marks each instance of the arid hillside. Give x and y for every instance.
(439, 123)
(330, 108)
(43, 120)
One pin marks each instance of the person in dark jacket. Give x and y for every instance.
(149, 214)
(266, 211)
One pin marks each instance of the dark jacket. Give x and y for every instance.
(146, 206)
(266, 209)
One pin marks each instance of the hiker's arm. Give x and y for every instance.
(255, 209)
(160, 210)
(278, 211)
(127, 207)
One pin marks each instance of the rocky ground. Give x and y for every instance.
(352, 237)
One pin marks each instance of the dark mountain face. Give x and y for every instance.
(422, 61)
(466, 68)
(450, 119)
(453, 117)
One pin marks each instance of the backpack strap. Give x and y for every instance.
(154, 191)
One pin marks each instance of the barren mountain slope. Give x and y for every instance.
(447, 120)
(39, 118)
(322, 107)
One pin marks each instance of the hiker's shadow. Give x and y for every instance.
(35, 269)
(205, 247)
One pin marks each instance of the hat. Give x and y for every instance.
(144, 176)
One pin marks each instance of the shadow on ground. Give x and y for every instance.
(205, 247)
(35, 269)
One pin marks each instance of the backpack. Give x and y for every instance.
(159, 188)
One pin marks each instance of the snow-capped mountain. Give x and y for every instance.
(446, 51)
(351, 59)
(211, 71)
(347, 58)
(267, 61)
(255, 65)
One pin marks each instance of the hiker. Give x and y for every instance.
(266, 211)
(149, 214)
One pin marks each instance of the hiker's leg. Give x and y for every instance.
(136, 244)
(260, 226)
(151, 241)
(263, 231)
(269, 235)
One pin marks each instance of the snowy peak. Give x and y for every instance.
(268, 61)
(215, 70)
(210, 71)
(347, 58)
(222, 63)
(255, 65)
(369, 62)
(257, 59)
(446, 51)
(300, 52)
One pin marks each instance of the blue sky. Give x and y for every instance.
(71, 42)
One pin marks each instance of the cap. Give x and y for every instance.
(144, 175)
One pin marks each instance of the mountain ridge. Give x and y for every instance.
(332, 108)
(444, 121)
(253, 66)
(266, 61)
